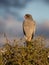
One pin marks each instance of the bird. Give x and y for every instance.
(29, 27)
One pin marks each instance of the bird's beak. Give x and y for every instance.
(25, 17)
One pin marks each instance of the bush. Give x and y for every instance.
(34, 53)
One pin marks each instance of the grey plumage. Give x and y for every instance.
(29, 27)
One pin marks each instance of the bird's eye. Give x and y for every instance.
(27, 15)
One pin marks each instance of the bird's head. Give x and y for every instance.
(28, 16)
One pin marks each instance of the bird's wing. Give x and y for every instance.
(29, 27)
(23, 28)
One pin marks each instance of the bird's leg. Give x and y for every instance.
(26, 40)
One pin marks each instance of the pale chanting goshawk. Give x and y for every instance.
(29, 27)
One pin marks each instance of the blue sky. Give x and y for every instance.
(37, 8)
